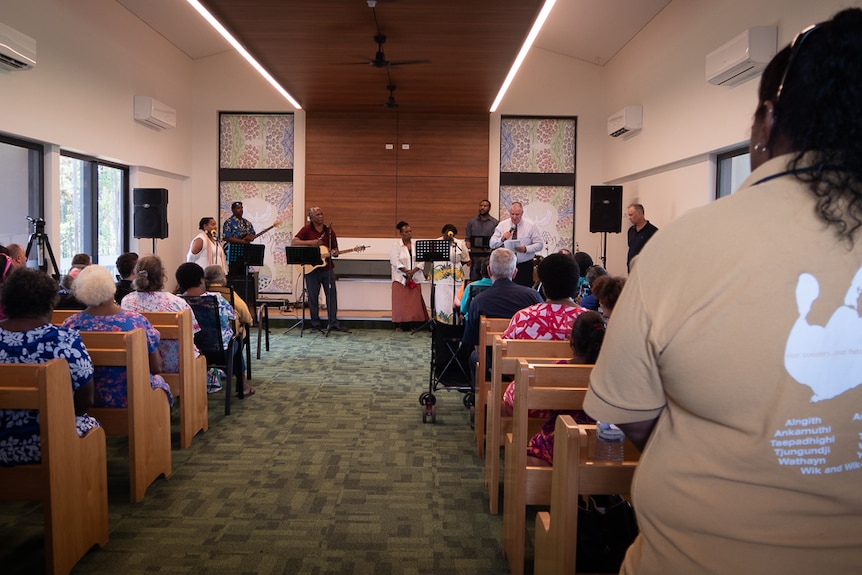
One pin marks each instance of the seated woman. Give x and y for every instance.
(28, 336)
(94, 287)
(551, 319)
(607, 290)
(148, 297)
(588, 333)
(190, 279)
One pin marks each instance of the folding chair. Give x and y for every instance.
(211, 345)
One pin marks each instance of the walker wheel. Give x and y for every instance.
(469, 400)
(427, 399)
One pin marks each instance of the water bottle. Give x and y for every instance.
(609, 442)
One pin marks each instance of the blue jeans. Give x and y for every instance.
(314, 280)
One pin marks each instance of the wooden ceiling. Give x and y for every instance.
(319, 50)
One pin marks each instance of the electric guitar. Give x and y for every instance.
(260, 233)
(324, 255)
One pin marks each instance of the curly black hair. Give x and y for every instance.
(817, 111)
(29, 293)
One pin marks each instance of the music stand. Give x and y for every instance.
(432, 251)
(302, 256)
(239, 258)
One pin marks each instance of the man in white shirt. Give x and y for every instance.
(521, 236)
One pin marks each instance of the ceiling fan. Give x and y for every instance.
(390, 103)
(380, 61)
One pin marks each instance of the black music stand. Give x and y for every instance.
(302, 256)
(239, 258)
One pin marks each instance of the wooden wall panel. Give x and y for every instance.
(367, 189)
(357, 206)
(443, 145)
(351, 144)
(429, 203)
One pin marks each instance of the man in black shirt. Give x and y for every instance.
(640, 232)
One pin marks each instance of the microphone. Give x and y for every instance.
(214, 234)
(512, 229)
(450, 234)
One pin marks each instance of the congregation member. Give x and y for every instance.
(191, 282)
(588, 333)
(94, 287)
(587, 298)
(478, 237)
(126, 273)
(607, 290)
(408, 307)
(521, 236)
(502, 300)
(148, 296)
(216, 281)
(751, 461)
(551, 319)
(28, 336)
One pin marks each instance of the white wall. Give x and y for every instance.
(668, 166)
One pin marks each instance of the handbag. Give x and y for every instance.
(606, 528)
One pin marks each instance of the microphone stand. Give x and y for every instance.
(328, 270)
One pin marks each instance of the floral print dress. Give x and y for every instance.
(162, 301)
(111, 380)
(19, 428)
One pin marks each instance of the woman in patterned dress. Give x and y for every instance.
(588, 333)
(95, 288)
(28, 336)
(148, 296)
(553, 318)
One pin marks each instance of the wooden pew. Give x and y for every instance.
(504, 362)
(488, 328)
(71, 481)
(147, 419)
(190, 383)
(61, 315)
(574, 473)
(548, 386)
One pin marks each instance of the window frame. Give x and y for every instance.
(91, 204)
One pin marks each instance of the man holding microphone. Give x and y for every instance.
(522, 237)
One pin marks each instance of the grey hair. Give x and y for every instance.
(214, 275)
(503, 263)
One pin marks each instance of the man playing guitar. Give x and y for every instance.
(317, 234)
(236, 229)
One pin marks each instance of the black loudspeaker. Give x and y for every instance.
(606, 209)
(151, 212)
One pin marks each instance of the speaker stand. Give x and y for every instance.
(604, 250)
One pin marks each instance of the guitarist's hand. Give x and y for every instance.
(249, 238)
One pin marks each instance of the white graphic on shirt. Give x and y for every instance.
(828, 359)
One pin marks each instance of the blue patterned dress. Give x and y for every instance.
(19, 428)
(111, 381)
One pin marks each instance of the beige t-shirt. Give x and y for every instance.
(755, 464)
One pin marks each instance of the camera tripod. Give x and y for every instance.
(43, 246)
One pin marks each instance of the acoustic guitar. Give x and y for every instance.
(324, 255)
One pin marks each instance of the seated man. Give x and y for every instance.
(502, 299)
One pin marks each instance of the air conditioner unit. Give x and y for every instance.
(629, 119)
(17, 51)
(152, 112)
(743, 57)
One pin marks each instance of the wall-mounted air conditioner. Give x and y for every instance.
(629, 119)
(152, 112)
(743, 57)
(17, 51)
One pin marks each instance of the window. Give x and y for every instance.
(93, 207)
(732, 167)
(21, 188)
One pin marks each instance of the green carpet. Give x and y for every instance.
(328, 468)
